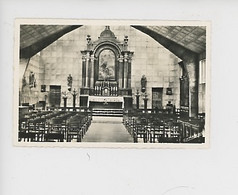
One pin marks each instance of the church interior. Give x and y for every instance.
(128, 84)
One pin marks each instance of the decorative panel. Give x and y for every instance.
(106, 65)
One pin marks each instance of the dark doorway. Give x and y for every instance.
(42, 104)
(55, 95)
(157, 98)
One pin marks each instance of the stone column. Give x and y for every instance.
(87, 69)
(83, 68)
(192, 69)
(89, 72)
(92, 72)
(129, 70)
(125, 70)
(120, 67)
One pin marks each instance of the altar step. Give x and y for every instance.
(108, 112)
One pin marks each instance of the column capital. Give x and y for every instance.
(183, 77)
(92, 57)
(125, 53)
(120, 59)
(84, 58)
(83, 52)
(87, 53)
(126, 57)
(130, 54)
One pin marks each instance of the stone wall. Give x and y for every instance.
(63, 57)
(30, 93)
(202, 87)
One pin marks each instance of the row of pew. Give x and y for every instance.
(53, 126)
(163, 128)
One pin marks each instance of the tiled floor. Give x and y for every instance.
(107, 129)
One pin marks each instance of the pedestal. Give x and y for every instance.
(137, 101)
(145, 103)
(65, 103)
(74, 100)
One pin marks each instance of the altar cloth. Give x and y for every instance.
(106, 99)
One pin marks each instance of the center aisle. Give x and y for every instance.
(107, 129)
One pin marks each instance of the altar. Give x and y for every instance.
(113, 102)
(106, 73)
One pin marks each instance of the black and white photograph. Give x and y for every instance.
(128, 83)
(118, 97)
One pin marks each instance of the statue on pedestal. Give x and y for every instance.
(143, 83)
(32, 80)
(23, 81)
(70, 81)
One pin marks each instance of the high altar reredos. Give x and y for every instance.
(106, 73)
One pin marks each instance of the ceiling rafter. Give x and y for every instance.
(34, 38)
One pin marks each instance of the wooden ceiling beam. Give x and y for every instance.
(33, 49)
(177, 49)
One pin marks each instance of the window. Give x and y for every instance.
(202, 71)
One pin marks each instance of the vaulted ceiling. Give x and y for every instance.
(34, 38)
(190, 37)
(30, 34)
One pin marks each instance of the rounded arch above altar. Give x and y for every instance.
(107, 45)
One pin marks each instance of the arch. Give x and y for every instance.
(107, 64)
(106, 45)
(109, 45)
